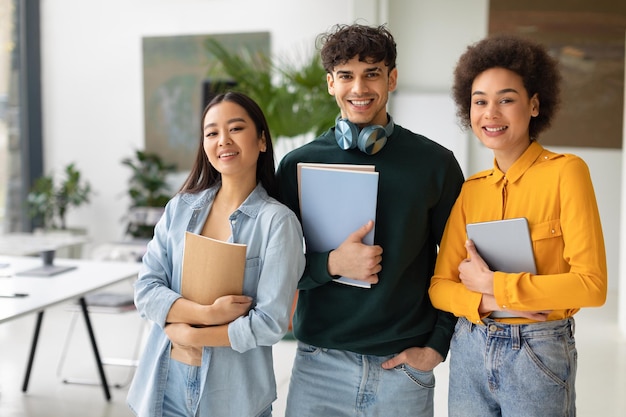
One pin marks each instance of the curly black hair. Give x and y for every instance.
(530, 60)
(344, 42)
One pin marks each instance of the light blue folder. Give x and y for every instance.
(334, 202)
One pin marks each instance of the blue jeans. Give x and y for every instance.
(328, 382)
(525, 370)
(182, 393)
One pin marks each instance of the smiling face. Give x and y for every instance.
(500, 113)
(231, 141)
(361, 90)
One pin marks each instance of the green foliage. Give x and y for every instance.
(147, 185)
(293, 97)
(147, 188)
(41, 201)
(49, 203)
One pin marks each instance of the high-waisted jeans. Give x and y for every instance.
(513, 370)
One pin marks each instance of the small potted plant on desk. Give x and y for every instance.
(148, 191)
(49, 202)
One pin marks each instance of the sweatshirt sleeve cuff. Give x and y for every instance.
(318, 263)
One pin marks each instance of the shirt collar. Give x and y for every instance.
(520, 166)
(249, 207)
(252, 204)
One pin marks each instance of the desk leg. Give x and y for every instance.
(92, 338)
(33, 348)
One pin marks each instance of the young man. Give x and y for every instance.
(371, 352)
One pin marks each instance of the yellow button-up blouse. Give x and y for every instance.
(554, 192)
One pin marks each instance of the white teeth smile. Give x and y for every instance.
(360, 102)
(495, 129)
(228, 154)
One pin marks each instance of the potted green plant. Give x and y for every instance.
(293, 96)
(49, 202)
(148, 190)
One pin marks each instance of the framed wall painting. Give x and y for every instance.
(587, 37)
(175, 71)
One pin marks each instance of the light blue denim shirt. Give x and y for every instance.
(241, 377)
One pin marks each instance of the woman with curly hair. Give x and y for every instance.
(523, 362)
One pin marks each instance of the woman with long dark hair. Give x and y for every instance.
(216, 360)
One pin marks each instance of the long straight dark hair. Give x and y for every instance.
(203, 175)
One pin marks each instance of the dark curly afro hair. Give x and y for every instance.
(530, 60)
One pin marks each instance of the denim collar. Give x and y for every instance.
(249, 207)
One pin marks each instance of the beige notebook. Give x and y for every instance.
(211, 268)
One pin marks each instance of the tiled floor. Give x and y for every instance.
(601, 378)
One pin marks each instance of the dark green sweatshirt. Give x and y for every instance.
(419, 181)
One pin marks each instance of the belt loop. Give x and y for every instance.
(572, 326)
(467, 324)
(515, 337)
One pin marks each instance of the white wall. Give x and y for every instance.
(431, 35)
(92, 78)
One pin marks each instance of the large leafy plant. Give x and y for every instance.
(293, 95)
(147, 188)
(148, 185)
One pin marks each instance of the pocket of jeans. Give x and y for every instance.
(266, 413)
(554, 357)
(571, 348)
(425, 379)
(307, 350)
(460, 330)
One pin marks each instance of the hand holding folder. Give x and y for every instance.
(335, 201)
(211, 269)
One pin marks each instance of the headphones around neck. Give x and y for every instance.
(370, 139)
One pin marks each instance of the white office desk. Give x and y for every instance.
(18, 244)
(44, 292)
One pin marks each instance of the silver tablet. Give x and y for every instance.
(505, 245)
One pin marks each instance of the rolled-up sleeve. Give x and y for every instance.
(153, 294)
(281, 267)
